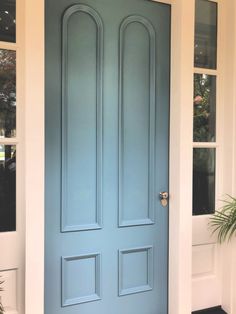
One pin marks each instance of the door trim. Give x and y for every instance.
(34, 167)
(180, 217)
(180, 236)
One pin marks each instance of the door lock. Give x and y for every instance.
(164, 196)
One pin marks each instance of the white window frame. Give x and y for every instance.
(13, 243)
(202, 236)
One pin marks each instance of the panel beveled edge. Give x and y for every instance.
(150, 270)
(85, 299)
(99, 107)
(151, 167)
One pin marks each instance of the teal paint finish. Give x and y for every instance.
(136, 270)
(85, 272)
(82, 120)
(107, 134)
(137, 55)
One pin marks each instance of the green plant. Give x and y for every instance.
(223, 222)
(1, 306)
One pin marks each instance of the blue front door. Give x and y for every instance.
(107, 123)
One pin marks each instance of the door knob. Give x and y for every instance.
(164, 198)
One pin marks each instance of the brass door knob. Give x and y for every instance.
(164, 196)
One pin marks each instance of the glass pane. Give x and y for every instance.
(204, 104)
(203, 181)
(8, 20)
(205, 55)
(7, 93)
(7, 188)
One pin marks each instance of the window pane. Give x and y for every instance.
(204, 122)
(203, 181)
(7, 188)
(205, 34)
(8, 20)
(7, 93)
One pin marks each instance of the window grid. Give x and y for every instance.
(212, 72)
(13, 141)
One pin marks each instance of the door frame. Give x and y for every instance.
(180, 218)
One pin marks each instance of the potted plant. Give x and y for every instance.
(223, 222)
(1, 306)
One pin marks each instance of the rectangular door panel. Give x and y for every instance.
(137, 121)
(81, 119)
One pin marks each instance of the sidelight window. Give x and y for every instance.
(8, 108)
(204, 107)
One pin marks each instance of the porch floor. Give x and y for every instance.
(213, 310)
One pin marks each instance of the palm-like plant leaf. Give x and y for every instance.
(1, 282)
(1, 306)
(223, 222)
(1, 309)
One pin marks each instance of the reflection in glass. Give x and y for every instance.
(203, 181)
(8, 20)
(7, 93)
(205, 55)
(204, 122)
(7, 188)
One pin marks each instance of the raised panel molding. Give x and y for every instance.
(82, 109)
(204, 259)
(9, 293)
(137, 74)
(135, 270)
(81, 279)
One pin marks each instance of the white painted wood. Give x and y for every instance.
(163, 1)
(9, 141)
(204, 259)
(205, 71)
(229, 158)
(201, 231)
(181, 157)
(206, 290)
(34, 134)
(233, 278)
(228, 292)
(180, 209)
(180, 162)
(12, 243)
(10, 311)
(205, 145)
(226, 257)
(10, 46)
(9, 294)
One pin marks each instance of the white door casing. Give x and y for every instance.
(180, 177)
(32, 28)
(228, 111)
(180, 156)
(180, 170)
